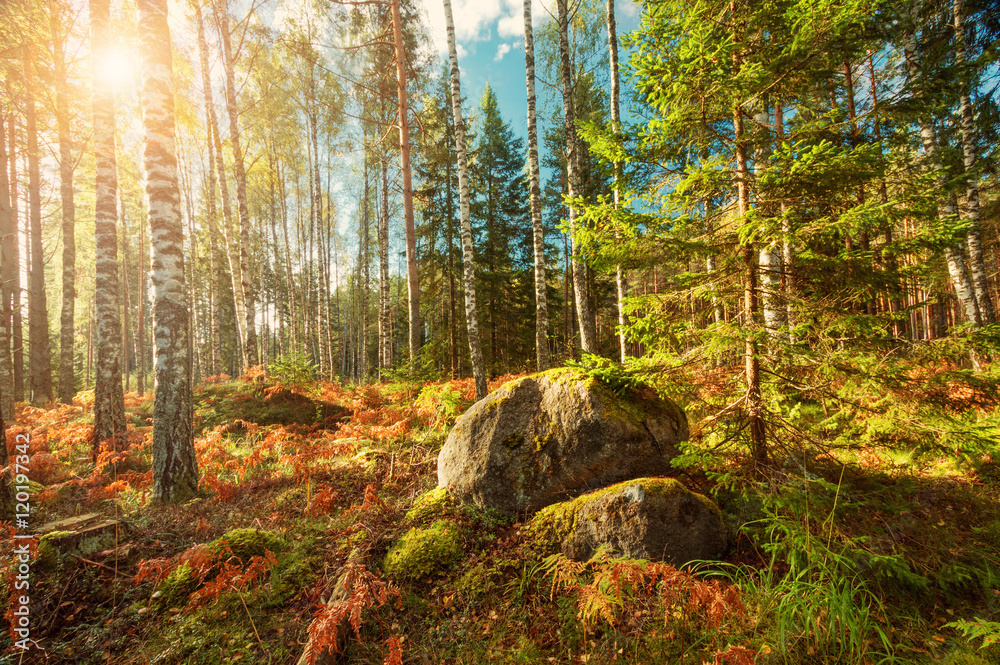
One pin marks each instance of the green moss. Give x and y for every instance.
(48, 551)
(247, 543)
(421, 552)
(174, 591)
(513, 440)
(437, 502)
(553, 524)
(479, 583)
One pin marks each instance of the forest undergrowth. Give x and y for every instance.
(872, 536)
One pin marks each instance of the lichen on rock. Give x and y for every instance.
(436, 502)
(555, 435)
(646, 518)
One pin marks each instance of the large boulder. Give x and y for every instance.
(648, 518)
(555, 435)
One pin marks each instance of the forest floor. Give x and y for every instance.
(861, 544)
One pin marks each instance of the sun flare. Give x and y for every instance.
(118, 66)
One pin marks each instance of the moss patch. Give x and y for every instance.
(421, 552)
(174, 591)
(48, 551)
(247, 543)
(553, 524)
(437, 502)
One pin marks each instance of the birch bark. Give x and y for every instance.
(468, 261)
(250, 356)
(970, 212)
(175, 472)
(588, 333)
(954, 253)
(542, 359)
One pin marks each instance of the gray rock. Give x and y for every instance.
(555, 435)
(648, 518)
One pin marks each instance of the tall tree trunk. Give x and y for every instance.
(289, 277)
(38, 325)
(588, 334)
(239, 170)
(66, 336)
(770, 254)
(542, 358)
(787, 250)
(621, 286)
(8, 237)
(412, 278)
(384, 313)
(215, 263)
(109, 402)
(140, 323)
(126, 329)
(954, 253)
(468, 262)
(754, 400)
(896, 303)
(970, 212)
(16, 336)
(232, 251)
(175, 471)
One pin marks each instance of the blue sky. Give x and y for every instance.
(490, 38)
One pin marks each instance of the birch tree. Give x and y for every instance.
(588, 333)
(468, 262)
(616, 126)
(211, 125)
(953, 251)
(542, 359)
(109, 401)
(239, 169)
(970, 211)
(175, 473)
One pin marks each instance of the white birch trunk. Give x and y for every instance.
(175, 472)
(468, 262)
(250, 356)
(588, 334)
(970, 212)
(621, 286)
(954, 253)
(215, 328)
(109, 401)
(542, 359)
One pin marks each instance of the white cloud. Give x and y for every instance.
(474, 20)
(628, 8)
(502, 50)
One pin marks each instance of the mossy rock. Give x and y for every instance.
(434, 503)
(647, 518)
(247, 543)
(423, 551)
(478, 583)
(47, 555)
(175, 589)
(554, 435)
